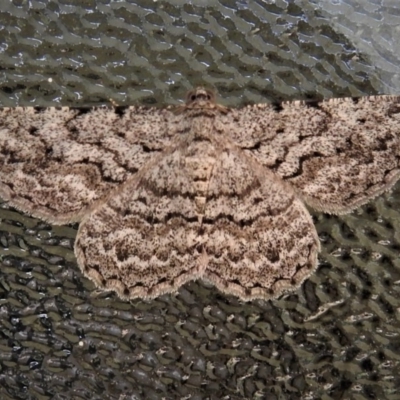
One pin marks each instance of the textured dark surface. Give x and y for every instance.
(337, 337)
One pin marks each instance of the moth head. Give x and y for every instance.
(200, 97)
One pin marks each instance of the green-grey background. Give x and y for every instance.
(337, 337)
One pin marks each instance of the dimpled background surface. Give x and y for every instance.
(337, 337)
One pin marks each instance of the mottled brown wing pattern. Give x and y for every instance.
(261, 241)
(337, 153)
(204, 210)
(165, 196)
(58, 163)
(144, 241)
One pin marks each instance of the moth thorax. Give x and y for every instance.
(202, 126)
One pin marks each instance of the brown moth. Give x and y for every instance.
(198, 191)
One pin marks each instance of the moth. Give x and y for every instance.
(198, 191)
